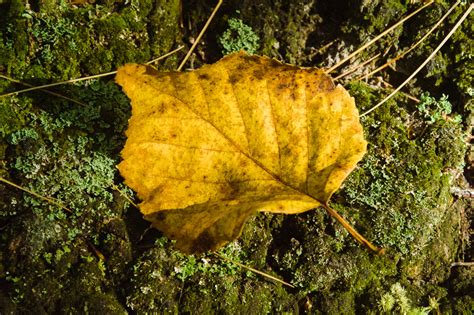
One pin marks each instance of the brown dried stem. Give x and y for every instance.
(465, 15)
(377, 38)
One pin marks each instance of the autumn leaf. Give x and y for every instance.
(208, 148)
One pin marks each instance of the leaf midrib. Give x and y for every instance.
(263, 167)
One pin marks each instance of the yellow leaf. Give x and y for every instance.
(206, 149)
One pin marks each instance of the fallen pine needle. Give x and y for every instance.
(198, 39)
(48, 199)
(266, 275)
(400, 56)
(80, 79)
(46, 91)
(356, 67)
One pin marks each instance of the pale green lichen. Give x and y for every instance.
(434, 110)
(397, 302)
(237, 37)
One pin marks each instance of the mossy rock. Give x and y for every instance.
(98, 257)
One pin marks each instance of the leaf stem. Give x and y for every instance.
(352, 231)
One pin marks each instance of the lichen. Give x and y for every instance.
(68, 259)
(237, 37)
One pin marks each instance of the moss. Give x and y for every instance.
(111, 36)
(338, 303)
(95, 259)
(237, 37)
(67, 152)
(164, 26)
(379, 184)
(379, 15)
(13, 114)
(86, 293)
(398, 203)
(162, 276)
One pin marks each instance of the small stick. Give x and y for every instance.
(196, 42)
(377, 38)
(352, 231)
(165, 55)
(48, 199)
(412, 47)
(466, 14)
(356, 67)
(266, 275)
(80, 79)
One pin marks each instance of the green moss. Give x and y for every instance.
(69, 151)
(95, 259)
(389, 195)
(161, 275)
(13, 114)
(237, 37)
(67, 41)
(435, 110)
(164, 26)
(396, 301)
(380, 15)
(63, 162)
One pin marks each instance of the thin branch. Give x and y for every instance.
(466, 14)
(377, 38)
(198, 39)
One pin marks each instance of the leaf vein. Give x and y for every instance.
(307, 139)
(191, 147)
(215, 182)
(269, 172)
(274, 126)
(239, 109)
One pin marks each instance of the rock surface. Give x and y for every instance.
(98, 257)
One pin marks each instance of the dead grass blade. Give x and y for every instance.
(356, 67)
(46, 91)
(465, 15)
(377, 38)
(400, 56)
(198, 39)
(266, 275)
(80, 79)
(52, 201)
